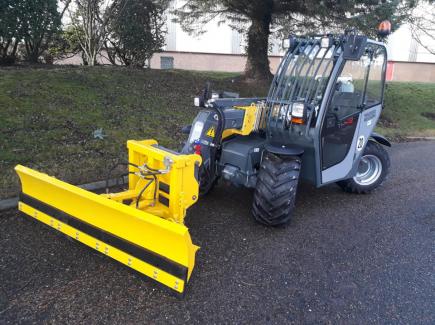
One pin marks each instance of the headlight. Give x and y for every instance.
(294, 113)
(215, 95)
(298, 110)
(285, 113)
(325, 42)
(196, 132)
(286, 43)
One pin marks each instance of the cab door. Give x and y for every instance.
(353, 108)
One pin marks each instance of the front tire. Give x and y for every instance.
(275, 192)
(373, 169)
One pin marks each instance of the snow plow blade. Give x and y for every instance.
(141, 235)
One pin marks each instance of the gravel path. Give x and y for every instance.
(343, 259)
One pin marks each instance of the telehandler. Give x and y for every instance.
(316, 124)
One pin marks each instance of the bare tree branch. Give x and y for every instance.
(90, 19)
(65, 8)
(422, 26)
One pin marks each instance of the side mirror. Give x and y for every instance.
(201, 100)
(208, 94)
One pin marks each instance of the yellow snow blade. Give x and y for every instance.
(154, 246)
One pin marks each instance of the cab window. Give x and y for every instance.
(375, 82)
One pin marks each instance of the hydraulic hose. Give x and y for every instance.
(122, 163)
(215, 144)
(154, 179)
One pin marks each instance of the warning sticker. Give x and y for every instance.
(211, 132)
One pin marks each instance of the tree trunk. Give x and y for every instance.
(33, 50)
(111, 55)
(91, 58)
(4, 52)
(15, 48)
(257, 64)
(32, 53)
(84, 59)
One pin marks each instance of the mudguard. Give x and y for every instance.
(380, 139)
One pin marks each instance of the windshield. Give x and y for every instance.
(301, 77)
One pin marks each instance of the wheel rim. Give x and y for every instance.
(369, 170)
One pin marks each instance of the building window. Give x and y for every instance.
(166, 62)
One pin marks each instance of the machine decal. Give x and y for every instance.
(211, 132)
(360, 143)
(369, 116)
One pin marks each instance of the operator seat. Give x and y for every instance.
(345, 100)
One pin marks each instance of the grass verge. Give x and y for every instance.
(48, 115)
(409, 110)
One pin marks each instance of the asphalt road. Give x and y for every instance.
(350, 259)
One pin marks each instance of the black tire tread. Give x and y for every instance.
(275, 192)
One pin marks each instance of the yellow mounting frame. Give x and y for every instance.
(248, 121)
(151, 240)
(177, 190)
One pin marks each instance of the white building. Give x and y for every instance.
(220, 38)
(217, 38)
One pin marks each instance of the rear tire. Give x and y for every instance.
(367, 179)
(275, 192)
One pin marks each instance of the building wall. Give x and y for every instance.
(208, 61)
(413, 71)
(215, 37)
(402, 47)
(398, 70)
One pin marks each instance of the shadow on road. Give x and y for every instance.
(343, 258)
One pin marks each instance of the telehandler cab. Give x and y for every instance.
(315, 124)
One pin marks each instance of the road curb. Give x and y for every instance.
(11, 203)
(421, 138)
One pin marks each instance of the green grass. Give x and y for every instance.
(409, 110)
(48, 115)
